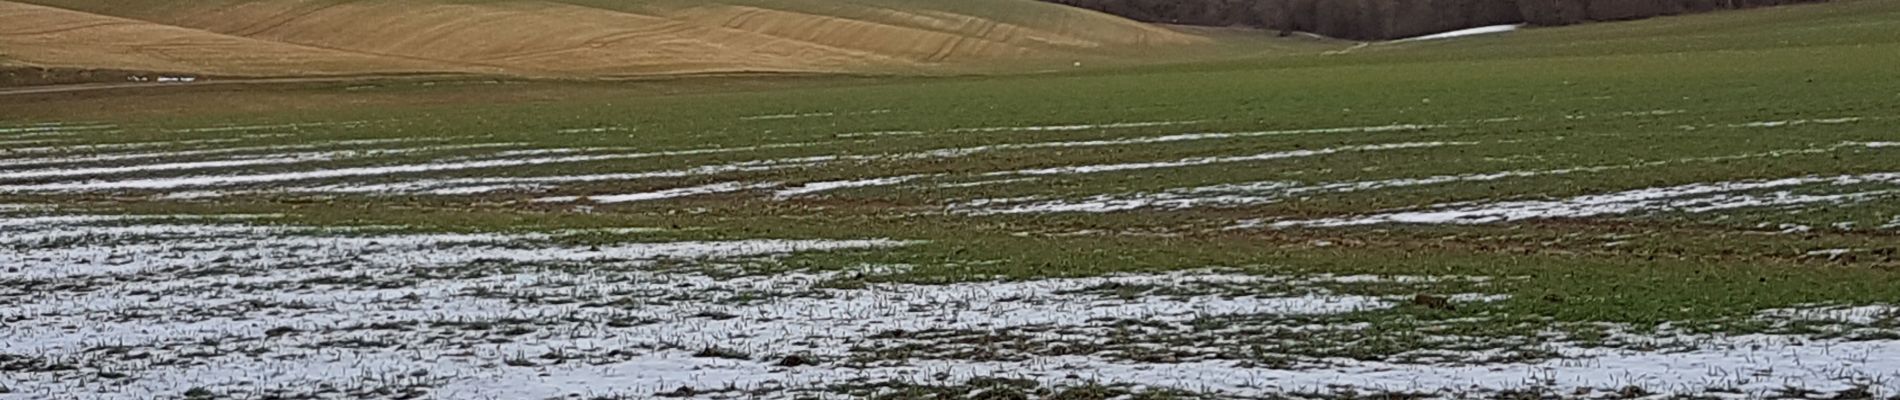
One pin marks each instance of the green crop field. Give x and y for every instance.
(1698, 206)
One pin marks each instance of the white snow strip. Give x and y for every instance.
(1074, 127)
(603, 129)
(1256, 193)
(261, 150)
(1835, 314)
(52, 173)
(1483, 30)
(958, 152)
(1829, 253)
(51, 136)
(468, 186)
(85, 245)
(609, 231)
(24, 142)
(235, 180)
(270, 159)
(289, 126)
(1778, 124)
(853, 135)
(816, 187)
(1692, 198)
(727, 187)
(1188, 162)
(239, 150)
(810, 115)
(58, 129)
(986, 182)
(787, 116)
(114, 146)
(1650, 113)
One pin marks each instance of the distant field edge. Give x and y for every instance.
(1375, 20)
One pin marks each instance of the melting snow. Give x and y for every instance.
(28, 142)
(1076, 127)
(116, 146)
(809, 115)
(1483, 30)
(465, 186)
(1650, 113)
(290, 126)
(817, 187)
(956, 152)
(51, 130)
(1694, 198)
(878, 134)
(603, 129)
(235, 180)
(1188, 162)
(986, 182)
(189, 153)
(1835, 314)
(275, 310)
(1778, 124)
(1256, 193)
(271, 159)
(727, 187)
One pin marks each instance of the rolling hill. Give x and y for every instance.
(591, 38)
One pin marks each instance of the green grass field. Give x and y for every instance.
(1689, 206)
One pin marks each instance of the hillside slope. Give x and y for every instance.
(52, 37)
(564, 38)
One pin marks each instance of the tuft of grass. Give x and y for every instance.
(725, 353)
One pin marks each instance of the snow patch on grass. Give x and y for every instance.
(201, 152)
(1074, 127)
(19, 132)
(251, 309)
(273, 159)
(1691, 198)
(1650, 113)
(479, 185)
(116, 146)
(716, 188)
(958, 152)
(238, 180)
(1267, 192)
(1483, 30)
(602, 129)
(854, 135)
(986, 182)
(1198, 161)
(1798, 122)
(293, 127)
(826, 186)
(826, 114)
(1836, 314)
